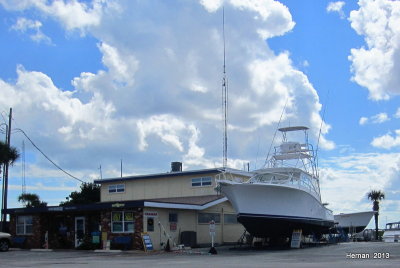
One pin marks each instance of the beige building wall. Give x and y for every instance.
(152, 188)
(224, 232)
(188, 221)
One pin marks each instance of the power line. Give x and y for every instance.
(57, 166)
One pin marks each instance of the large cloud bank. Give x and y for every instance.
(158, 96)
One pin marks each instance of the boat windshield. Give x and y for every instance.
(393, 226)
(293, 177)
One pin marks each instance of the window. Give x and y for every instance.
(24, 225)
(173, 217)
(230, 219)
(116, 188)
(204, 181)
(122, 222)
(208, 217)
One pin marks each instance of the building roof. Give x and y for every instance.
(75, 208)
(175, 174)
(188, 202)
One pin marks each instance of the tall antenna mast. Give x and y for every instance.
(23, 168)
(224, 99)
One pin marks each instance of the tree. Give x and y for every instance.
(376, 196)
(8, 154)
(31, 200)
(89, 193)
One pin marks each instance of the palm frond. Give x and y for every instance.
(376, 195)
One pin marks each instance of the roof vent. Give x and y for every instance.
(176, 166)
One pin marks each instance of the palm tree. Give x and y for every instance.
(8, 154)
(376, 196)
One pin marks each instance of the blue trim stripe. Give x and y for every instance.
(280, 217)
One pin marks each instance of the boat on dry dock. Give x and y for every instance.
(283, 197)
(392, 232)
(353, 222)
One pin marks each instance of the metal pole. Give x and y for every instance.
(7, 166)
(2, 219)
(5, 181)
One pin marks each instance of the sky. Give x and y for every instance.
(99, 82)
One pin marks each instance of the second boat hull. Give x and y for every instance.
(354, 222)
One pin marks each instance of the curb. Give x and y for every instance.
(107, 250)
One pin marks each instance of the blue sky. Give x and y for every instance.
(94, 82)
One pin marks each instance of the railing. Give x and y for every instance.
(304, 181)
(296, 155)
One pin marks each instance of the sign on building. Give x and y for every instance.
(151, 214)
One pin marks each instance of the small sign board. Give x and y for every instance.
(147, 244)
(172, 226)
(212, 228)
(296, 239)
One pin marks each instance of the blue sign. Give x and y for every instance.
(148, 245)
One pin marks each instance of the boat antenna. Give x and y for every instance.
(320, 129)
(23, 168)
(224, 99)
(276, 130)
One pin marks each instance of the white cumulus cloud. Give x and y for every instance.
(32, 27)
(336, 7)
(376, 66)
(397, 114)
(375, 119)
(73, 15)
(387, 141)
(363, 120)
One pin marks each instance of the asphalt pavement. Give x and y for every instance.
(353, 254)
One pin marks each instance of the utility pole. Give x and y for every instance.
(2, 219)
(5, 181)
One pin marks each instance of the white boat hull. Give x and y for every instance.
(274, 210)
(353, 222)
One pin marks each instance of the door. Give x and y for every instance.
(79, 230)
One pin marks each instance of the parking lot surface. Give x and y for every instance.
(361, 254)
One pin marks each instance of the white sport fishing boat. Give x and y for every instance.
(284, 196)
(392, 232)
(353, 222)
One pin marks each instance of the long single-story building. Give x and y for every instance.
(177, 206)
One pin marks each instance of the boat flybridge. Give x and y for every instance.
(285, 195)
(292, 163)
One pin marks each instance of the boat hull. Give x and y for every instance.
(353, 222)
(268, 210)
